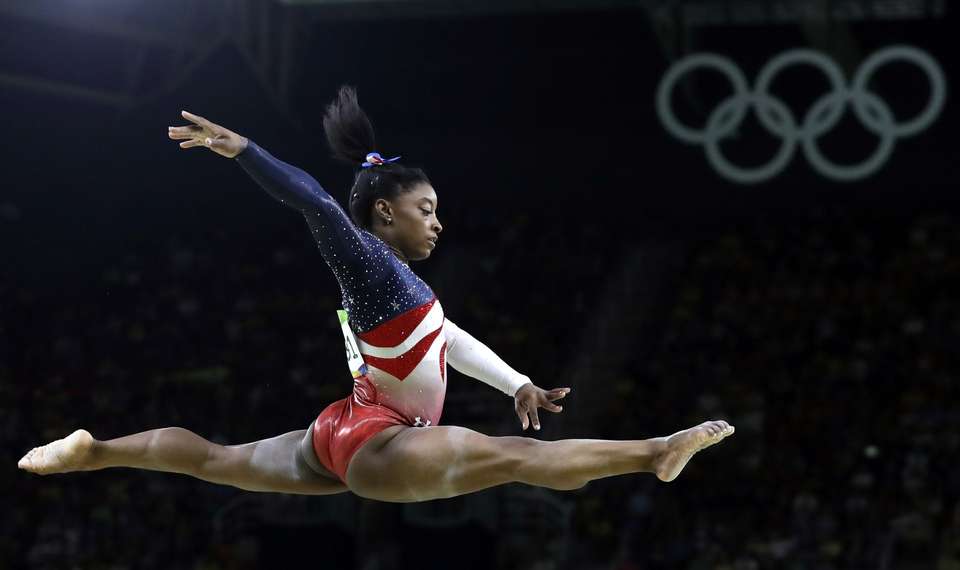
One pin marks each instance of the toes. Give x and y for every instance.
(718, 428)
(27, 460)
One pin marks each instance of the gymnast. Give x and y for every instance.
(383, 441)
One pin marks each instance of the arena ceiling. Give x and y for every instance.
(136, 51)
(133, 52)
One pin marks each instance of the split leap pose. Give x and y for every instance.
(382, 441)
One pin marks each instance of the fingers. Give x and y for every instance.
(196, 119)
(527, 405)
(522, 414)
(557, 393)
(214, 143)
(552, 396)
(182, 133)
(528, 413)
(533, 415)
(190, 134)
(552, 407)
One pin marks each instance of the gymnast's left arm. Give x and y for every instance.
(473, 358)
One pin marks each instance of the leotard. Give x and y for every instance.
(403, 335)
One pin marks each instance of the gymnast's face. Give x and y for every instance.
(414, 227)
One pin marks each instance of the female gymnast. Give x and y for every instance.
(381, 442)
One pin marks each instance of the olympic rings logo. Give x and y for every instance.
(872, 111)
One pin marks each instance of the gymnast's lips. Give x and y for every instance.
(432, 241)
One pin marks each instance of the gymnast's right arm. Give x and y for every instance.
(338, 238)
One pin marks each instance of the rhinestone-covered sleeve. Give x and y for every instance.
(340, 242)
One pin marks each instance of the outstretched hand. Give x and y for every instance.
(529, 397)
(211, 135)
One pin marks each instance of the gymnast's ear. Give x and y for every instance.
(382, 209)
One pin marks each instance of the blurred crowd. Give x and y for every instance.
(831, 344)
(827, 340)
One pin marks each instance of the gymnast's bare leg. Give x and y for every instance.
(400, 464)
(270, 465)
(404, 464)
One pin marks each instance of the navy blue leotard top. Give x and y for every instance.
(402, 333)
(375, 284)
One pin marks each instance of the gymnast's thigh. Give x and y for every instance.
(404, 463)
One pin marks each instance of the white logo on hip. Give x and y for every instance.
(822, 116)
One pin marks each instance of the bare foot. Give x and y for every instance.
(682, 445)
(71, 453)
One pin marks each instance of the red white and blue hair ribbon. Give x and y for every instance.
(374, 159)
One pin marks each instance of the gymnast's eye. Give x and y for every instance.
(426, 212)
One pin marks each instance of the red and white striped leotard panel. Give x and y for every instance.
(406, 362)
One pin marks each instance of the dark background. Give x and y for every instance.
(144, 286)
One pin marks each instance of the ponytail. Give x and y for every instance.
(351, 138)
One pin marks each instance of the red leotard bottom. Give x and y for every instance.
(345, 425)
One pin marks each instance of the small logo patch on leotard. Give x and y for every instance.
(354, 359)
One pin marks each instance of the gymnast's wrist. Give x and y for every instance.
(244, 143)
(522, 381)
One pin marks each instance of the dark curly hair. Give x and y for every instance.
(350, 136)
